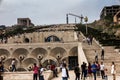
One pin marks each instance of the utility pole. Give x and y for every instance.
(86, 20)
(67, 18)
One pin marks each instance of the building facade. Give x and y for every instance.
(53, 46)
(117, 18)
(24, 22)
(109, 11)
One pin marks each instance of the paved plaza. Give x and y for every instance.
(72, 77)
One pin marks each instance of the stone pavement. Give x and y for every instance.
(72, 77)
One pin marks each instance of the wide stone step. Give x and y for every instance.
(25, 75)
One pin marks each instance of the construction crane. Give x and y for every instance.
(67, 17)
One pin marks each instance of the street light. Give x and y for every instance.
(86, 20)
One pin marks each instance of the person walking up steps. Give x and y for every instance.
(102, 54)
(96, 56)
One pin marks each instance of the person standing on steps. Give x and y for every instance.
(96, 56)
(102, 70)
(113, 70)
(102, 54)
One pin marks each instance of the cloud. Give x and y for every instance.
(50, 11)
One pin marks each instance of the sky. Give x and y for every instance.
(47, 12)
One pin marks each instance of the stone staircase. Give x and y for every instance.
(110, 55)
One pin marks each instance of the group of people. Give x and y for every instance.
(93, 70)
(88, 39)
(102, 54)
(38, 70)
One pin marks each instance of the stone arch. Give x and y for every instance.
(52, 38)
(4, 53)
(39, 52)
(49, 60)
(29, 62)
(64, 59)
(58, 52)
(73, 51)
(47, 64)
(20, 52)
(26, 40)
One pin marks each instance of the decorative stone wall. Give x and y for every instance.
(29, 53)
(42, 37)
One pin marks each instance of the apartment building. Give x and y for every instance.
(109, 10)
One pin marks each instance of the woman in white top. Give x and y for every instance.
(65, 74)
(113, 70)
(102, 68)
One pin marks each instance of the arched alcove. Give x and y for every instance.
(73, 51)
(20, 52)
(28, 62)
(39, 52)
(48, 61)
(52, 38)
(4, 53)
(26, 40)
(58, 52)
(73, 57)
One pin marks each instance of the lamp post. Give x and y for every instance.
(86, 20)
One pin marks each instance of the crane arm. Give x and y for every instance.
(75, 15)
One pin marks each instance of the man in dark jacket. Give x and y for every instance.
(77, 72)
